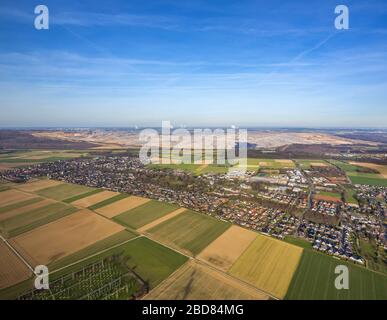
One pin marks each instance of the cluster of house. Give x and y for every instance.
(333, 240)
(324, 208)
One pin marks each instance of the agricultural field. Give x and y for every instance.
(153, 262)
(37, 216)
(189, 231)
(51, 242)
(36, 156)
(268, 264)
(195, 281)
(64, 191)
(328, 196)
(315, 276)
(166, 217)
(12, 269)
(107, 279)
(122, 204)
(145, 213)
(114, 240)
(227, 248)
(307, 164)
(255, 164)
(11, 196)
(357, 172)
(33, 186)
(196, 169)
(92, 199)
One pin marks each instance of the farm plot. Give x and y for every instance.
(29, 220)
(226, 249)
(12, 269)
(11, 196)
(65, 236)
(269, 264)
(160, 220)
(93, 199)
(145, 213)
(151, 261)
(382, 169)
(315, 278)
(189, 231)
(38, 185)
(121, 206)
(23, 207)
(64, 191)
(195, 281)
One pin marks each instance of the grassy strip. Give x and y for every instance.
(298, 242)
(108, 201)
(4, 188)
(83, 195)
(19, 204)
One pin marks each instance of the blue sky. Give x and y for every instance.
(210, 63)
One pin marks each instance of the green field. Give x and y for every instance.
(350, 196)
(152, 261)
(298, 242)
(190, 231)
(95, 248)
(37, 156)
(357, 177)
(145, 214)
(108, 201)
(368, 178)
(315, 276)
(330, 194)
(32, 219)
(64, 191)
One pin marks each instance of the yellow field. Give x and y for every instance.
(9, 197)
(27, 208)
(381, 168)
(226, 249)
(195, 281)
(121, 206)
(93, 199)
(38, 185)
(269, 264)
(62, 237)
(12, 269)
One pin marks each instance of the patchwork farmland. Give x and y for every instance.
(71, 227)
